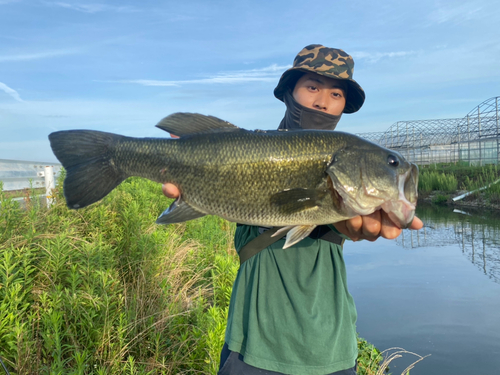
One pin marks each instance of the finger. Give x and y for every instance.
(371, 226)
(416, 224)
(389, 230)
(341, 227)
(350, 228)
(354, 227)
(170, 190)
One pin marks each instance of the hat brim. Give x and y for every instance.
(355, 94)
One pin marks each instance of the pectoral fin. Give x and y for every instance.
(178, 212)
(296, 200)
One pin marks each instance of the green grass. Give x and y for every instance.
(104, 290)
(430, 180)
(487, 175)
(22, 193)
(450, 178)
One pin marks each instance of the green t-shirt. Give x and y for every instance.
(290, 309)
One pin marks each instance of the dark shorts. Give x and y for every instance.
(231, 363)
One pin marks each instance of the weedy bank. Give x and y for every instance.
(448, 179)
(104, 290)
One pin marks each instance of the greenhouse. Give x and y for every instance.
(473, 139)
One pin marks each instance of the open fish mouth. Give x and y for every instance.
(400, 208)
(402, 211)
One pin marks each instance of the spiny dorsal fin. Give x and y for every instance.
(182, 123)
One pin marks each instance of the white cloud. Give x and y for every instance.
(91, 8)
(150, 82)
(457, 14)
(38, 55)
(10, 92)
(267, 74)
(376, 56)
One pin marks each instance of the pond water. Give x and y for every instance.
(435, 291)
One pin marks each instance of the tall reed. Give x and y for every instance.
(430, 180)
(484, 176)
(104, 290)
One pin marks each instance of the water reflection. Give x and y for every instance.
(477, 232)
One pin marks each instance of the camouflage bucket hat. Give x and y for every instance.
(328, 62)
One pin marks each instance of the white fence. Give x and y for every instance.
(20, 174)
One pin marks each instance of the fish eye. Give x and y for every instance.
(393, 161)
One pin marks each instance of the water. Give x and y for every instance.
(435, 291)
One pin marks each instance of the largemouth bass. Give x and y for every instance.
(299, 179)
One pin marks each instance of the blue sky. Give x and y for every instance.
(121, 66)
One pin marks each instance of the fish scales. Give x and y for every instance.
(233, 174)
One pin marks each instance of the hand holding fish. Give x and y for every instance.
(369, 227)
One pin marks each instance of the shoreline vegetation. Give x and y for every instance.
(105, 290)
(439, 183)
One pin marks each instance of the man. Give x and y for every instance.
(290, 310)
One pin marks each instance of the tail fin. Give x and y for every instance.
(87, 156)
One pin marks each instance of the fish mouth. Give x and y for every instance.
(402, 211)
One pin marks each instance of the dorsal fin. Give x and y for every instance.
(183, 123)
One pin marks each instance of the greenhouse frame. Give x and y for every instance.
(473, 139)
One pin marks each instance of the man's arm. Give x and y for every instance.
(368, 227)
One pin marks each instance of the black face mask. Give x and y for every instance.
(299, 117)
